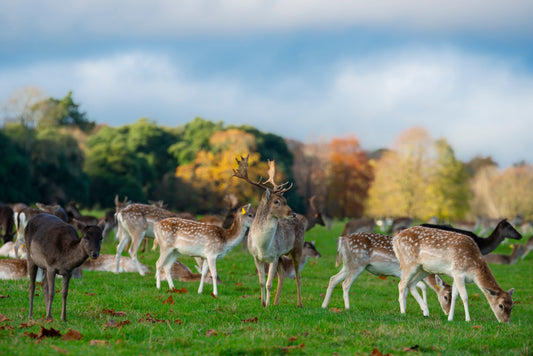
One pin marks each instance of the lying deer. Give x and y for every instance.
(134, 222)
(13, 268)
(422, 251)
(498, 258)
(8, 250)
(488, 244)
(55, 247)
(275, 231)
(176, 236)
(108, 263)
(374, 253)
(183, 273)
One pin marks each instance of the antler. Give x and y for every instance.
(242, 172)
(271, 174)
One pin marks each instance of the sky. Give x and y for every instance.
(306, 70)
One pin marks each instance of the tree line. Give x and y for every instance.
(50, 151)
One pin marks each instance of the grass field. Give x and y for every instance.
(126, 314)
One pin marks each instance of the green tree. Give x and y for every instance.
(193, 137)
(15, 177)
(62, 113)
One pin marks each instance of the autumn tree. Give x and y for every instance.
(212, 169)
(20, 106)
(349, 178)
(419, 177)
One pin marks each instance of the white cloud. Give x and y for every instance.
(480, 106)
(139, 18)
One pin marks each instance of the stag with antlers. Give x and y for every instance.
(275, 231)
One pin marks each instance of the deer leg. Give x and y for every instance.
(261, 274)
(455, 294)
(124, 238)
(347, 284)
(333, 281)
(64, 291)
(50, 285)
(296, 263)
(406, 280)
(212, 263)
(419, 299)
(272, 270)
(464, 295)
(203, 273)
(32, 271)
(136, 242)
(281, 280)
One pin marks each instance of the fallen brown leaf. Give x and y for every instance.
(178, 291)
(335, 310)
(89, 294)
(44, 333)
(292, 347)
(113, 312)
(477, 327)
(238, 284)
(150, 319)
(98, 342)
(293, 338)
(169, 300)
(72, 335)
(244, 296)
(6, 327)
(4, 318)
(251, 320)
(4, 296)
(27, 324)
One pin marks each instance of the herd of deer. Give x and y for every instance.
(49, 237)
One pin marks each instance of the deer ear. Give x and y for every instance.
(510, 291)
(267, 193)
(440, 282)
(491, 291)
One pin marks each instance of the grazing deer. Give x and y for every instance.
(422, 251)
(498, 258)
(7, 222)
(486, 244)
(134, 222)
(528, 247)
(55, 209)
(359, 225)
(275, 231)
(374, 253)
(176, 236)
(108, 263)
(55, 247)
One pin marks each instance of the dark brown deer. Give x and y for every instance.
(422, 251)
(55, 247)
(486, 244)
(7, 222)
(314, 214)
(275, 231)
(363, 224)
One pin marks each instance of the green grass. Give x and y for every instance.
(235, 323)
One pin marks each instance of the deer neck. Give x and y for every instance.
(76, 256)
(489, 244)
(484, 278)
(262, 232)
(236, 232)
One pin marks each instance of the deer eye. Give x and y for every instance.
(446, 297)
(276, 201)
(501, 306)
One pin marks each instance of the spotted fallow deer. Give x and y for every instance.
(275, 231)
(373, 252)
(176, 236)
(133, 223)
(422, 250)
